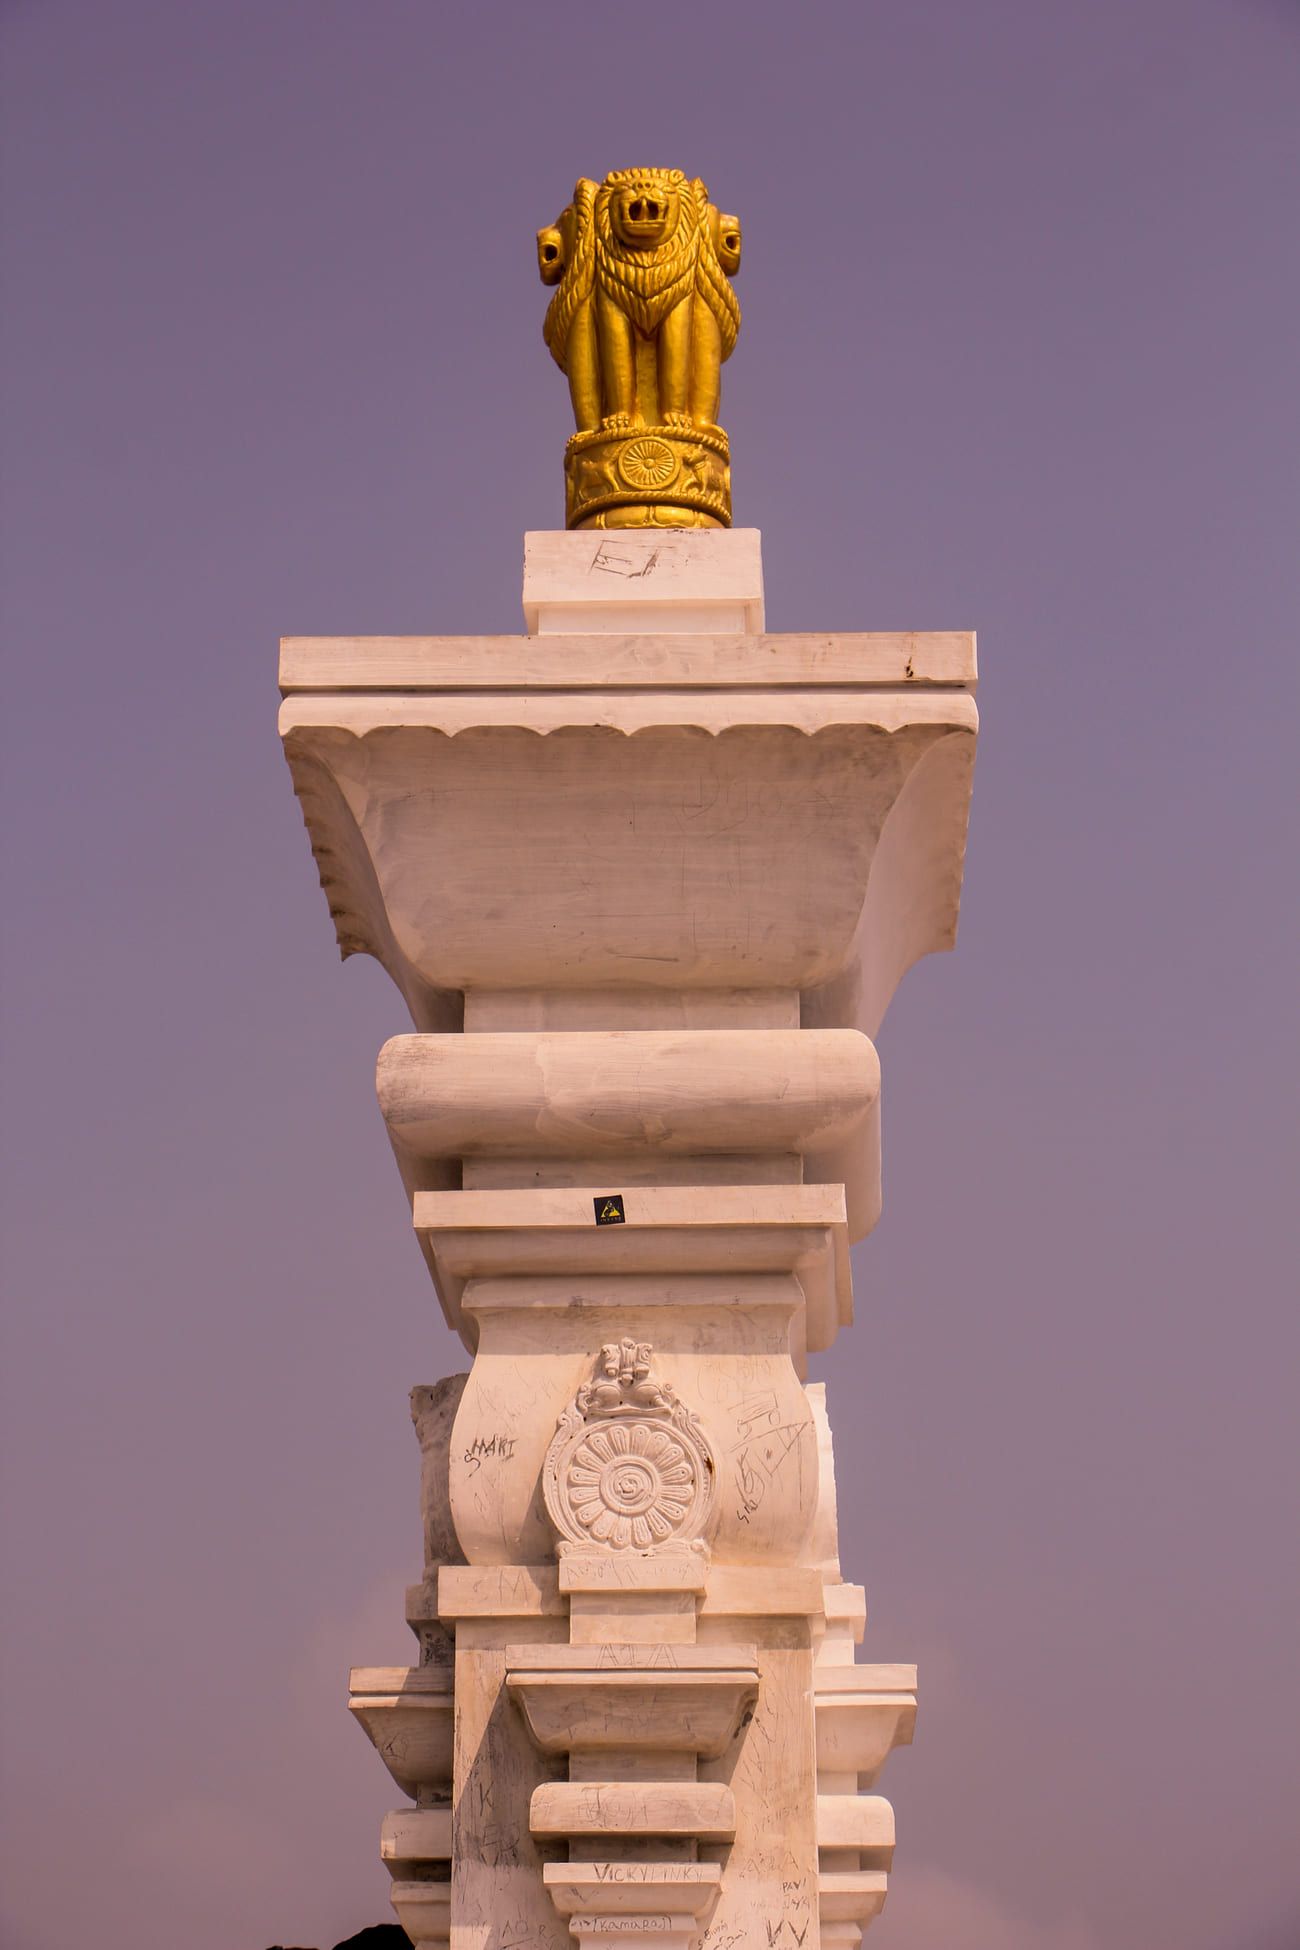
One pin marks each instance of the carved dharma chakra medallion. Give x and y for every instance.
(630, 1486)
(648, 464)
(642, 318)
(629, 1468)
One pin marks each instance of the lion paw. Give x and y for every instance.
(680, 422)
(616, 423)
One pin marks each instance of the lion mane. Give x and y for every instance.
(575, 287)
(647, 284)
(711, 280)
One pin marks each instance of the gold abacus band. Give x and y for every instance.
(656, 476)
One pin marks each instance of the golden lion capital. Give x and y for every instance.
(642, 318)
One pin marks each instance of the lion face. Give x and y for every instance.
(555, 246)
(644, 213)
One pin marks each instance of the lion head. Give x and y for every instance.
(645, 206)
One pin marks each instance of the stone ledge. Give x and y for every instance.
(533, 1591)
(702, 1811)
(804, 660)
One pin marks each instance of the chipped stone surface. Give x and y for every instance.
(433, 1411)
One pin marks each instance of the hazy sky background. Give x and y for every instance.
(1020, 291)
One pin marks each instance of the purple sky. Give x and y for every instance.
(1020, 291)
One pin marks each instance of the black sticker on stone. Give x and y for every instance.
(609, 1209)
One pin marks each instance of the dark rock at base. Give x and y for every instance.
(380, 1936)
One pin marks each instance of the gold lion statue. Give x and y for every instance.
(642, 318)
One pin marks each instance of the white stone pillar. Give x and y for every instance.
(647, 878)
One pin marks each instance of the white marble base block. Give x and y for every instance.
(646, 878)
(612, 582)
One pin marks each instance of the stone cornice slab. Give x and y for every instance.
(685, 840)
(853, 660)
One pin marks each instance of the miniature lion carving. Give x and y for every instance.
(643, 315)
